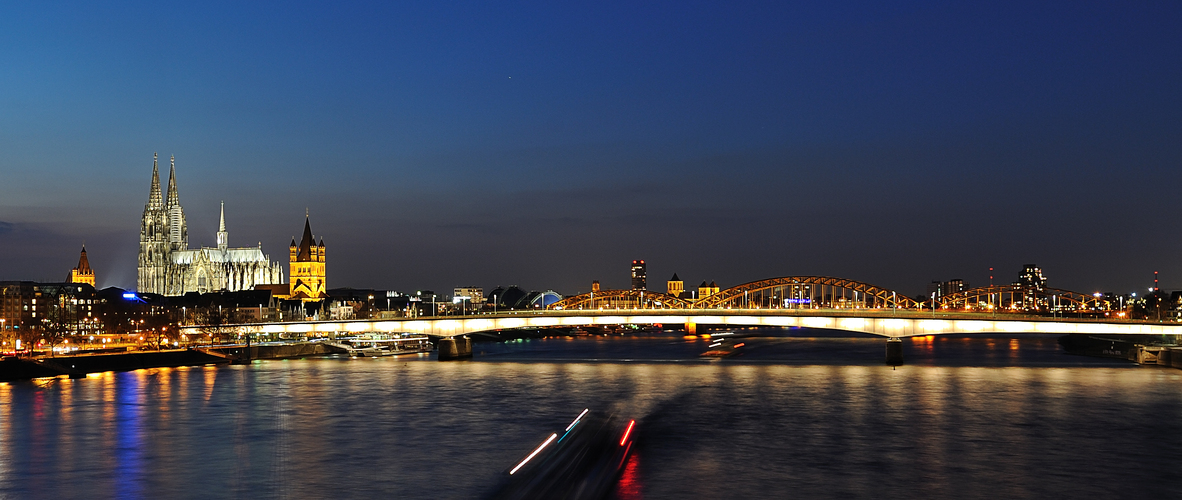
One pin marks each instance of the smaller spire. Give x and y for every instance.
(223, 236)
(83, 262)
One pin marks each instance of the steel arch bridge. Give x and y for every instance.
(1004, 297)
(622, 299)
(800, 290)
(773, 293)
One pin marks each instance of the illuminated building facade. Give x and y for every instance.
(1031, 277)
(168, 267)
(29, 309)
(469, 294)
(307, 268)
(83, 273)
(706, 290)
(937, 289)
(675, 286)
(1031, 281)
(639, 275)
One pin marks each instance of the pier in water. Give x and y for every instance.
(800, 414)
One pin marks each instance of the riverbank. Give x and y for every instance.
(13, 369)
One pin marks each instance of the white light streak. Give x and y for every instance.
(531, 455)
(572, 424)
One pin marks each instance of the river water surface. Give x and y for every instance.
(801, 415)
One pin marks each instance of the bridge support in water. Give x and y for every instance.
(894, 351)
(458, 347)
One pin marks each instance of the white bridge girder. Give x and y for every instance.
(876, 324)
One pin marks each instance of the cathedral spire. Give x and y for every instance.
(173, 199)
(154, 198)
(223, 236)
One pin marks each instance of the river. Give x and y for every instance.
(803, 414)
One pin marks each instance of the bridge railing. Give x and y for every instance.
(787, 312)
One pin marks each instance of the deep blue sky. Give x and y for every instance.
(547, 144)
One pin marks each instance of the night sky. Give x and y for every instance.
(548, 144)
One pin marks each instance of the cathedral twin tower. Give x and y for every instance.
(168, 267)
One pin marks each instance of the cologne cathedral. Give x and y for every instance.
(168, 267)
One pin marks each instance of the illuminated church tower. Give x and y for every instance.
(154, 233)
(178, 231)
(307, 267)
(83, 273)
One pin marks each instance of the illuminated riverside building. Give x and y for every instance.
(307, 268)
(28, 309)
(83, 273)
(168, 267)
(675, 287)
(706, 290)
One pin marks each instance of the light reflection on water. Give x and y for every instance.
(818, 418)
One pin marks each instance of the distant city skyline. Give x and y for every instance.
(547, 146)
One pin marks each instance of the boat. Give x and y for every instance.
(723, 349)
(374, 352)
(384, 345)
(582, 461)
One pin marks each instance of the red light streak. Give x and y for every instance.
(627, 432)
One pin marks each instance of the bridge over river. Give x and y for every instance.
(883, 322)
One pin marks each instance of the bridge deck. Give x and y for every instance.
(883, 322)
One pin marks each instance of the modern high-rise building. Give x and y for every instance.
(639, 273)
(83, 273)
(1031, 278)
(168, 267)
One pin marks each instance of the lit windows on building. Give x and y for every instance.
(639, 275)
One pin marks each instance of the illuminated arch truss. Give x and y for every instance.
(805, 292)
(622, 299)
(1018, 298)
(790, 292)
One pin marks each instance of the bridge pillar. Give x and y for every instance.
(894, 351)
(455, 348)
